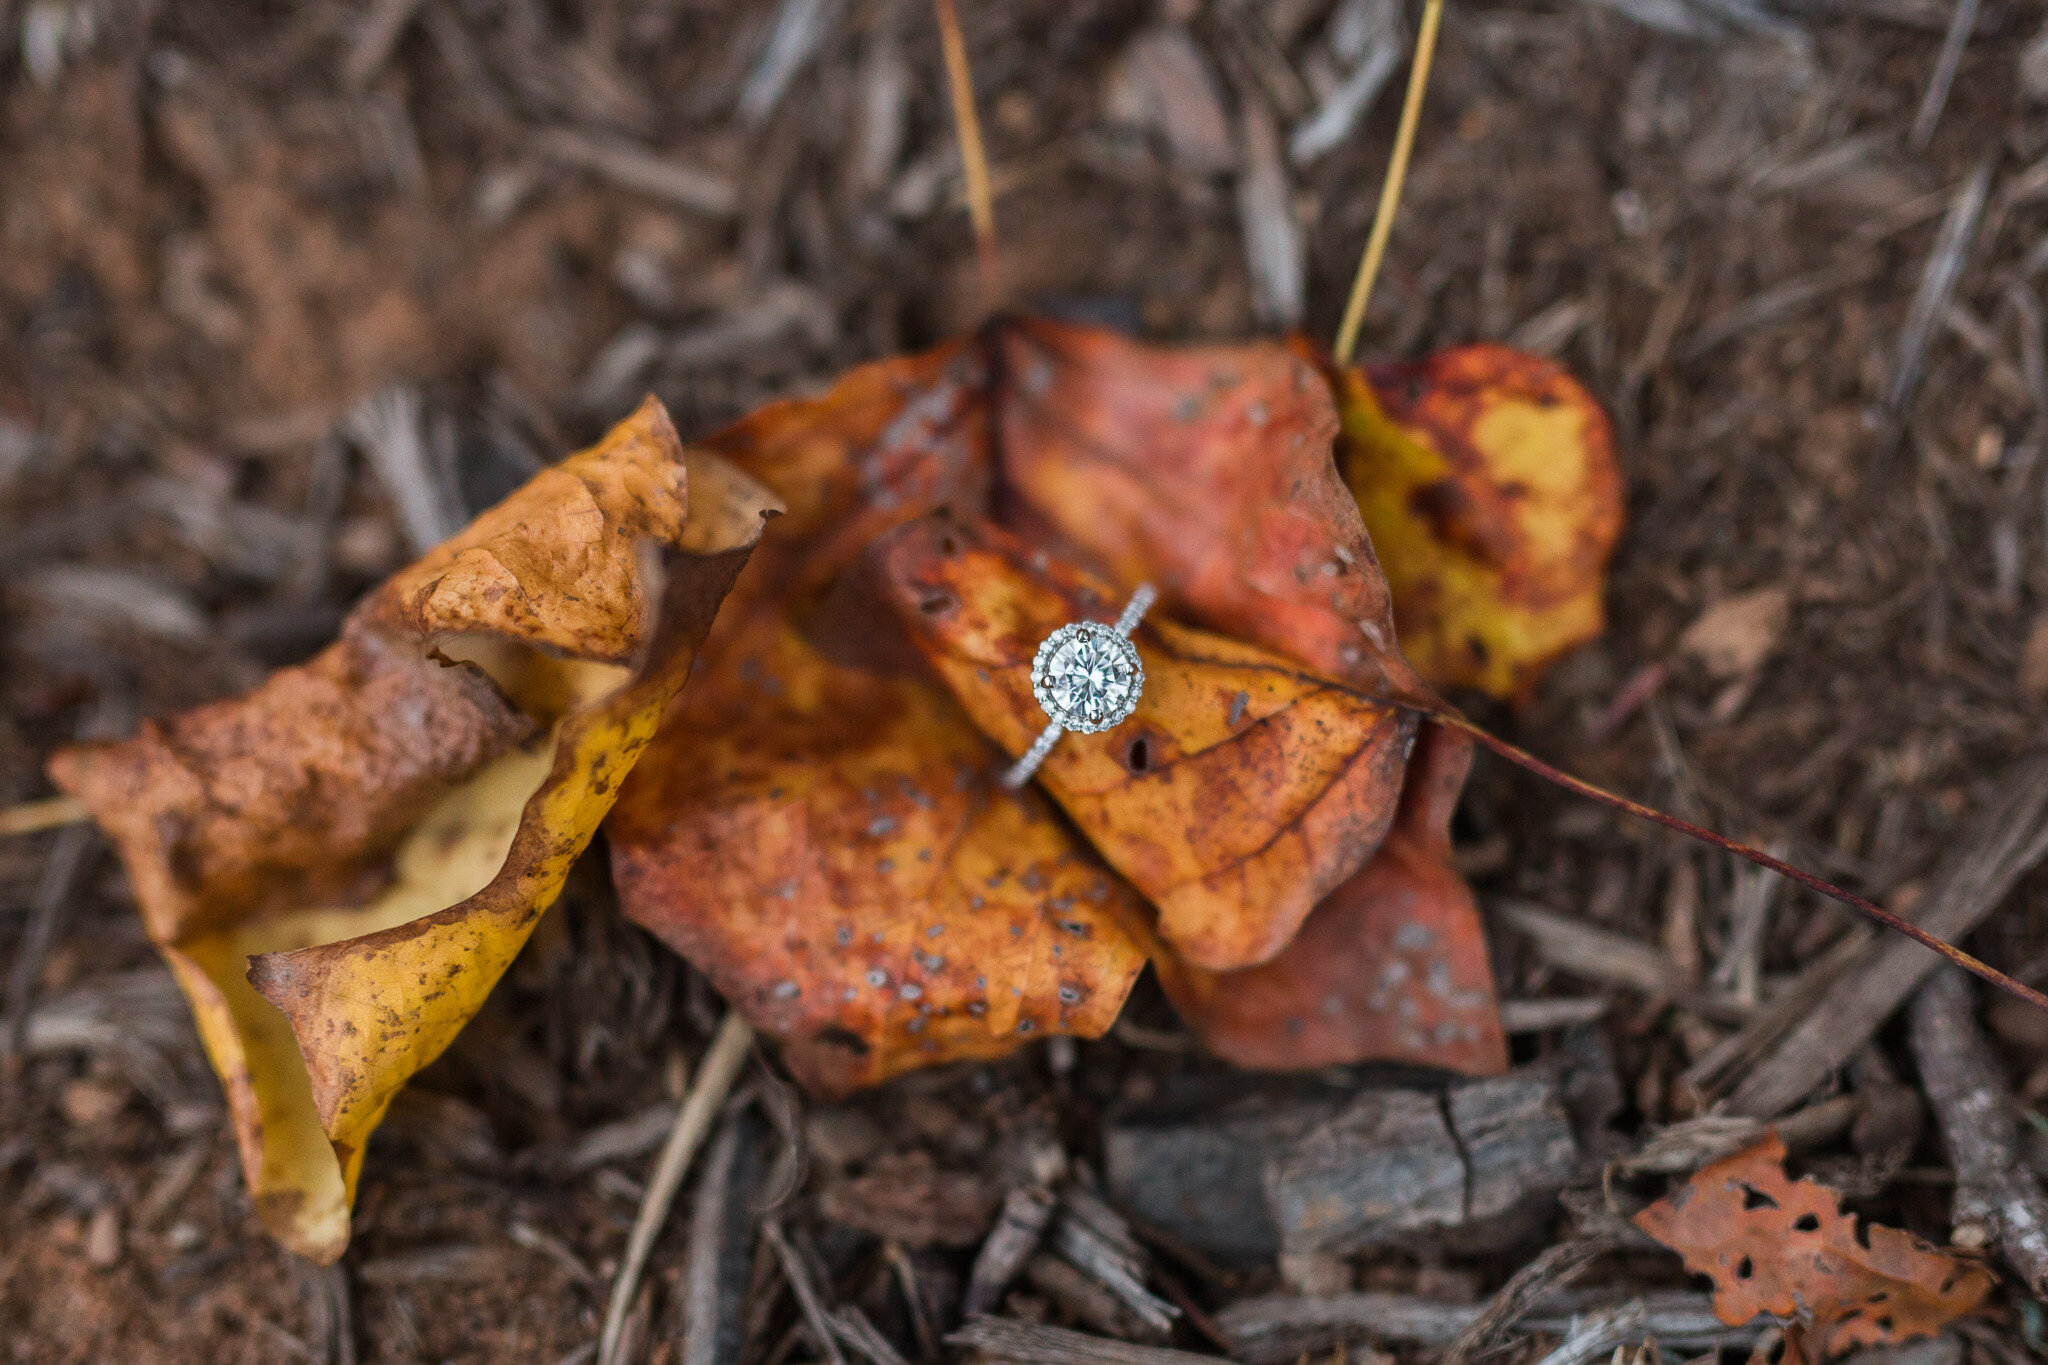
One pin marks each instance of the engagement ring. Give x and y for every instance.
(1087, 677)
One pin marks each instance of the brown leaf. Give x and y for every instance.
(1241, 790)
(1782, 1246)
(1392, 965)
(1488, 480)
(380, 829)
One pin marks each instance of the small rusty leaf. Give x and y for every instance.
(1777, 1245)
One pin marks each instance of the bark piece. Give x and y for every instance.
(1996, 1196)
(1310, 1172)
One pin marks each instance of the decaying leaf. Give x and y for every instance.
(380, 828)
(1392, 965)
(1488, 481)
(1782, 1246)
(1240, 791)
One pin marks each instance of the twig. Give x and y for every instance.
(2002, 844)
(1960, 25)
(808, 1300)
(633, 167)
(1390, 190)
(981, 207)
(1008, 1246)
(800, 29)
(715, 1075)
(1553, 1270)
(713, 1283)
(1937, 283)
(379, 34)
(1997, 1198)
(863, 1338)
(1030, 1344)
(53, 900)
(1923, 936)
(33, 817)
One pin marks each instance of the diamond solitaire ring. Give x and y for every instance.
(1088, 677)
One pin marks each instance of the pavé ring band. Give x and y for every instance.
(1088, 677)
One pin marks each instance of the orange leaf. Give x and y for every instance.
(1392, 965)
(1782, 1246)
(1205, 470)
(1240, 791)
(826, 842)
(1488, 481)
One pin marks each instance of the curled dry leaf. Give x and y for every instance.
(1487, 478)
(1241, 789)
(1392, 965)
(1782, 1246)
(380, 828)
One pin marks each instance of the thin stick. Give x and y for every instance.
(981, 202)
(1523, 759)
(715, 1076)
(33, 817)
(1390, 191)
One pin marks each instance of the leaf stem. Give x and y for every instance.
(1557, 776)
(1390, 190)
(981, 207)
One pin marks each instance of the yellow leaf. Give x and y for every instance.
(340, 866)
(1488, 482)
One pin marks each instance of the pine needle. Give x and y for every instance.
(1390, 190)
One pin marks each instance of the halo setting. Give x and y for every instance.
(1087, 677)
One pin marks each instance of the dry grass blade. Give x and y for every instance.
(1390, 191)
(715, 1077)
(967, 124)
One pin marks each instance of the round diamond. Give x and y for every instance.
(1087, 677)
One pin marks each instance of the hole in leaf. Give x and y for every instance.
(1754, 1198)
(1806, 1222)
(1138, 755)
(1744, 1269)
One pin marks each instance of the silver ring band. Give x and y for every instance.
(1130, 676)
